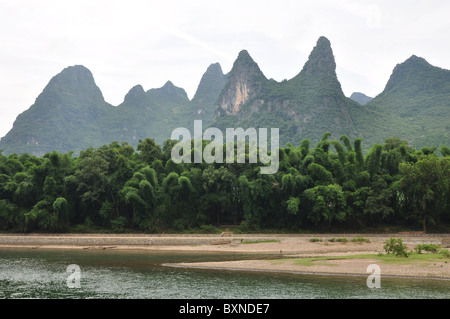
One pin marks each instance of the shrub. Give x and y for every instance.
(315, 240)
(427, 247)
(360, 240)
(444, 252)
(396, 246)
(118, 224)
(208, 229)
(341, 240)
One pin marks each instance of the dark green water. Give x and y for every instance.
(108, 274)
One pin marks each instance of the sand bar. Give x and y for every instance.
(285, 249)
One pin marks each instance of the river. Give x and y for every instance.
(119, 274)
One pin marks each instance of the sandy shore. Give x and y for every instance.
(286, 249)
(291, 249)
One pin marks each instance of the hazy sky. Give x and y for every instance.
(131, 42)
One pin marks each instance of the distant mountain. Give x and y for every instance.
(209, 89)
(147, 114)
(64, 117)
(304, 107)
(417, 98)
(71, 114)
(415, 105)
(361, 98)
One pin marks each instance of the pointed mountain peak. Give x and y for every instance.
(211, 80)
(412, 62)
(214, 68)
(169, 90)
(244, 55)
(245, 64)
(245, 81)
(168, 85)
(321, 60)
(135, 95)
(208, 90)
(74, 76)
(416, 59)
(75, 81)
(78, 70)
(416, 72)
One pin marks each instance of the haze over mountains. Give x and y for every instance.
(71, 113)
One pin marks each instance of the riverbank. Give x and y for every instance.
(319, 255)
(291, 253)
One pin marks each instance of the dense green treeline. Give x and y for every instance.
(332, 185)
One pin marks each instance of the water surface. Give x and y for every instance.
(114, 274)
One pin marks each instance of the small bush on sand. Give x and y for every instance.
(360, 240)
(444, 252)
(396, 246)
(432, 248)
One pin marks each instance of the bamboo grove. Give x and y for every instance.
(331, 186)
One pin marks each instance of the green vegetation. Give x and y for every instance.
(72, 115)
(396, 247)
(427, 247)
(360, 240)
(416, 98)
(414, 104)
(339, 240)
(386, 258)
(444, 252)
(329, 187)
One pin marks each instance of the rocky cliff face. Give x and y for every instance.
(245, 81)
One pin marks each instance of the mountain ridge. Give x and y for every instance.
(71, 113)
(418, 94)
(297, 105)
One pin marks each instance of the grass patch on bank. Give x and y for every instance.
(360, 240)
(384, 258)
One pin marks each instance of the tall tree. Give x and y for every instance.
(426, 186)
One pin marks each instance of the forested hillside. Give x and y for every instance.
(328, 186)
(71, 114)
(417, 98)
